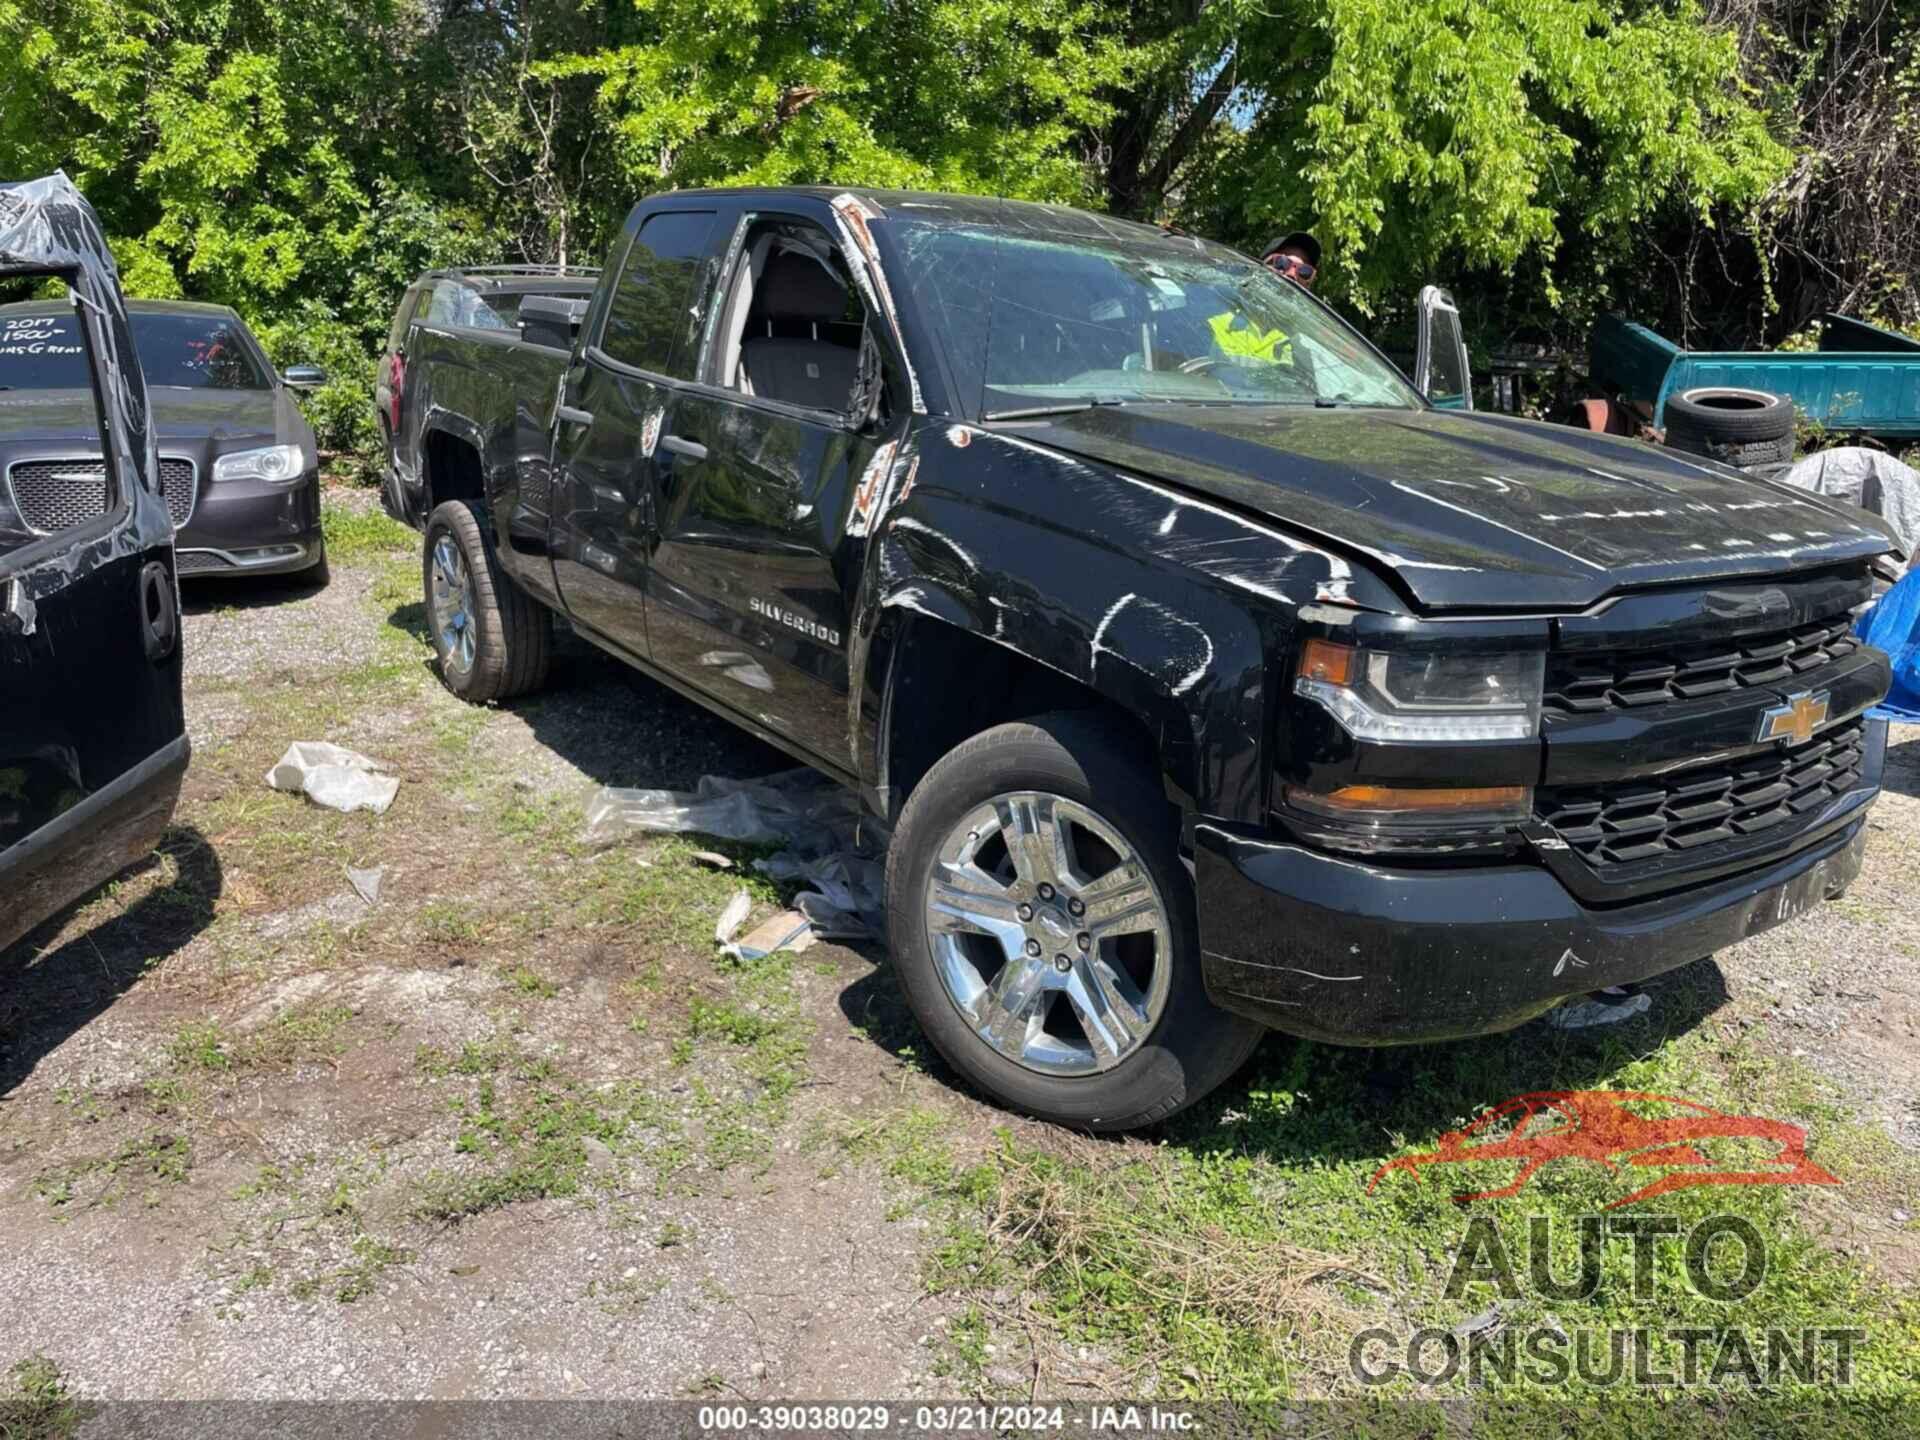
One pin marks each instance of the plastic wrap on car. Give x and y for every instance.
(48, 228)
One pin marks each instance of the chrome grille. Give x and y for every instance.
(1589, 684)
(1683, 811)
(55, 495)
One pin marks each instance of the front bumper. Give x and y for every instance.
(1342, 949)
(252, 527)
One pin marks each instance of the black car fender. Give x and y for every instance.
(1166, 606)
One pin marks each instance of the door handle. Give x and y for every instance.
(692, 449)
(570, 416)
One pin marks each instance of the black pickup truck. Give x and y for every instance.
(1209, 677)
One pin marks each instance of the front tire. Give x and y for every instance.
(1043, 928)
(493, 640)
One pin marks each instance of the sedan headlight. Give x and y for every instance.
(271, 462)
(1410, 695)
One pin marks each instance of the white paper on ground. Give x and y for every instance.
(334, 776)
(366, 883)
(733, 917)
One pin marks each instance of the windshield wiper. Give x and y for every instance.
(1035, 412)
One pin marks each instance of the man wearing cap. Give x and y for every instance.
(1296, 256)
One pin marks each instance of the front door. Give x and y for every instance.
(609, 417)
(92, 735)
(754, 476)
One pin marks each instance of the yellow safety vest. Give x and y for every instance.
(1236, 338)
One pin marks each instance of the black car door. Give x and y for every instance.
(92, 736)
(610, 414)
(755, 472)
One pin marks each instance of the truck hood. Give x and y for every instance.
(263, 417)
(1471, 511)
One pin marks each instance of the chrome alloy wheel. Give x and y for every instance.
(450, 601)
(1049, 934)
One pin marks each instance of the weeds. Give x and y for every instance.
(36, 1404)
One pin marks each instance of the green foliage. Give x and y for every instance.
(1488, 133)
(304, 162)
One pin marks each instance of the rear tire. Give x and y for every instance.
(492, 639)
(1064, 766)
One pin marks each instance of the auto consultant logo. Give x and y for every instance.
(1622, 1130)
(1655, 1144)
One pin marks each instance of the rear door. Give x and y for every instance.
(92, 736)
(611, 411)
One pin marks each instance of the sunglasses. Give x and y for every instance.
(1292, 266)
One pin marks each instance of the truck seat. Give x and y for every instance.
(790, 351)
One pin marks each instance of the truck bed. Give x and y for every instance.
(1861, 378)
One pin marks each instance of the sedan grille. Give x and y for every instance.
(55, 495)
(1590, 684)
(1683, 811)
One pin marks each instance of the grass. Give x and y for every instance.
(36, 1405)
(354, 536)
(1238, 1253)
(157, 1159)
(301, 1034)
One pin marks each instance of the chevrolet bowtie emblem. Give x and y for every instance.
(1796, 720)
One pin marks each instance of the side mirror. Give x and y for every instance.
(1440, 354)
(551, 320)
(303, 377)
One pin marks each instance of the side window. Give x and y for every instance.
(453, 303)
(445, 303)
(794, 325)
(647, 316)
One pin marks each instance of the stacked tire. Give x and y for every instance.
(1744, 428)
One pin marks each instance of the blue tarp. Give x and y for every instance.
(1894, 626)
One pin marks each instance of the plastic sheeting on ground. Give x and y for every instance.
(334, 776)
(835, 853)
(1893, 624)
(1871, 479)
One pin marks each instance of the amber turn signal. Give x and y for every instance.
(1324, 660)
(1366, 799)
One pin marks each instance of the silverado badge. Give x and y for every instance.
(1796, 720)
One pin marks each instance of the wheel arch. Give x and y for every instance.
(451, 451)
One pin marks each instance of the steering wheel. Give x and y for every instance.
(1201, 363)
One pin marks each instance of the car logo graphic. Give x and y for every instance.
(1796, 720)
(1599, 1126)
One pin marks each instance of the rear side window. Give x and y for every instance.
(464, 307)
(648, 312)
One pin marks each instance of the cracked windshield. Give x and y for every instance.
(1038, 326)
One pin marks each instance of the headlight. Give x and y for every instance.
(1404, 695)
(273, 462)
